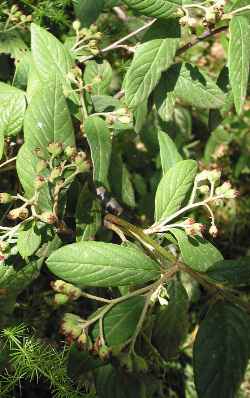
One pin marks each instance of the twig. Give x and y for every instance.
(8, 161)
(205, 36)
(120, 41)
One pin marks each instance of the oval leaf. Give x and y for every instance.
(239, 59)
(47, 118)
(102, 264)
(12, 109)
(168, 151)
(150, 60)
(232, 272)
(196, 252)
(154, 8)
(99, 140)
(171, 325)
(173, 188)
(120, 322)
(221, 351)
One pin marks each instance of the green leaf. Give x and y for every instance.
(111, 383)
(164, 97)
(1, 143)
(196, 252)
(154, 8)
(239, 59)
(88, 215)
(173, 188)
(28, 241)
(120, 179)
(194, 87)
(105, 103)
(12, 109)
(168, 151)
(120, 322)
(49, 54)
(99, 140)
(47, 118)
(102, 264)
(12, 43)
(87, 11)
(99, 75)
(150, 60)
(26, 169)
(232, 272)
(171, 324)
(221, 351)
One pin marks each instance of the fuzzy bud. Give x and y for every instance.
(195, 229)
(72, 325)
(76, 25)
(19, 212)
(5, 198)
(104, 352)
(48, 218)
(213, 231)
(60, 299)
(66, 288)
(139, 364)
(204, 189)
(82, 339)
(55, 148)
(40, 153)
(70, 152)
(39, 182)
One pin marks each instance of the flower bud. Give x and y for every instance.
(4, 246)
(139, 364)
(195, 229)
(70, 152)
(72, 325)
(55, 148)
(60, 299)
(210, 16)
(82, 339)
(213, 231)
(204, 189)
(104, 352)
(68, 289)
(5, 198)
(48, 218)
(39, 182)
(19, 212)
(80, 162)
(93, 28)
(76, 25)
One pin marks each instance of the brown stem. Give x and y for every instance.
(205, 36)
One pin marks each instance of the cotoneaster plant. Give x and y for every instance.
(72, 213)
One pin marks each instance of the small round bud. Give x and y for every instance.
(204, 189)
(70, 152)
(19, 212)
(48, 218)
(39, 182)
(55, 148)
(93, 28)
(76, 25)
(82, 339)
(139, 364)
(4, 246)
(29, 18)
(213, 231)
(5, 198)
(104, 352)
(72, 325)
(210, 16)
(183, 21)
(60, 299)
(98, 35)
